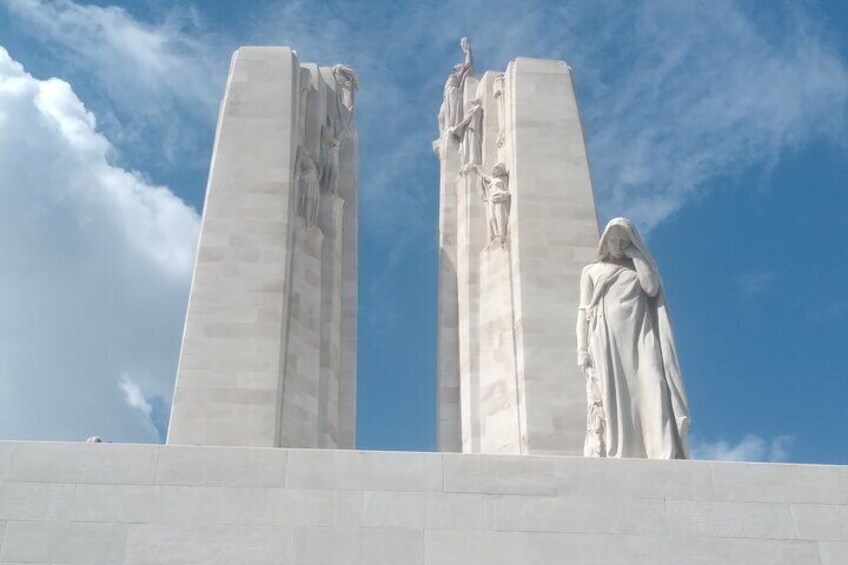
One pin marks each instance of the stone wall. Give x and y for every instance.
(146, 504)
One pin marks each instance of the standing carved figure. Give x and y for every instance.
(308, 191)
(625, 348)
(347, 83)
(496, 195)
(305, 87)
(470, 133)
(330, 145)
(450, 114)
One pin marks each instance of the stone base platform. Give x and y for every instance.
(64, 503)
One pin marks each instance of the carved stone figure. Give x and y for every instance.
(347, 83)
(496, 195)
(470, 132)
(308, 191)
(451, 114)
(637, 405)
(501, 105)
(330, 145)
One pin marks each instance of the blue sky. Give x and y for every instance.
(721, 128)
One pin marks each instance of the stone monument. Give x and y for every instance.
(268, 355)
(517, 224)
(269, 349)
(636, 402)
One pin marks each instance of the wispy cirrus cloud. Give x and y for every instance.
(157, 84)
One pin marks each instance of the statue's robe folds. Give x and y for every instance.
(635, 362)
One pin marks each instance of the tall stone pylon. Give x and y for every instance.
(269, 349)
(517, 224)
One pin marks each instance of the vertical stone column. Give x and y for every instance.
(268, 356)
(228, 381)
(554, 234)
(507, 308)
(346, 427)
(448, 427)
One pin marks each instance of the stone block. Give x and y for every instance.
(323, 546)
(821, 521)
(63, 542)
(208, 545)
(359, 470)
(221, 466)
(622, 549)
(729, 519)
(432, 511)
(444, 547)
(570, 514)
(634, 478)
(770, 482)
(833, 552)
(214, 505)
(83, 463)
(500, 475)
(34, 501)
(738, 551)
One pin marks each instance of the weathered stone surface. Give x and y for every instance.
(201, 505)
(223, 466)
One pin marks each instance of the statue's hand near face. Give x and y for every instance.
(632, 252)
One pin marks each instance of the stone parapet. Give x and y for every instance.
(149, 504)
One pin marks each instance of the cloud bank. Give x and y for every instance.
(96, 264)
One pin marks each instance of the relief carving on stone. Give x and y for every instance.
(497, 197)
(347, 83)
(305, 87)
(637, 404)
(470, 133)
(451, 112)
(308, 196)
(338, 125)
(330, 145)
(501, 106)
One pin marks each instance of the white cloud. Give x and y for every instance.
(750, 448)
(134, 397)
(96, 265)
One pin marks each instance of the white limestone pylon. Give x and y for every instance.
(269, 347)
(510, 266)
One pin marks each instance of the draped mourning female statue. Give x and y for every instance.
(636, 401)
